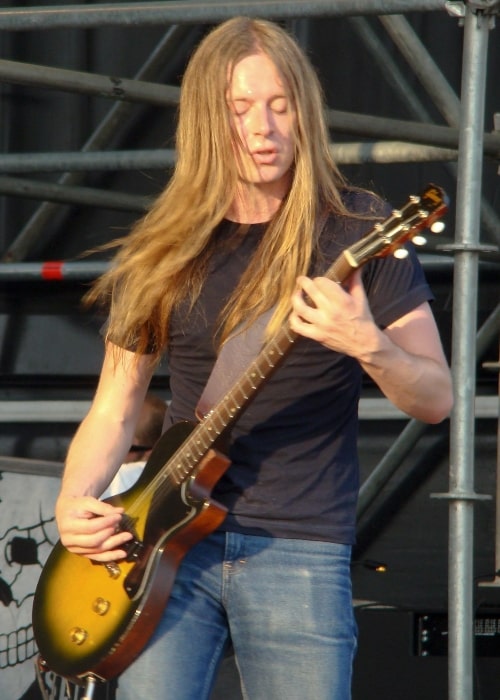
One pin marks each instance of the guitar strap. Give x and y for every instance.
(236, 355)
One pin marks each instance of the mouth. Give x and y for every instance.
(265, 156)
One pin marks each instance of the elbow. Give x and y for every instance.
(438, 416)
(441, 406)
(440, 409)
(435, 405)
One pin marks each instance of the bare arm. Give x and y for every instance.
(406, 360)
(95, 454)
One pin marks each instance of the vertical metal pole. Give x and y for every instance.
(462, 495)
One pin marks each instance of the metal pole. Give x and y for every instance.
(162, 158)
(149, 159)
(66, 194)
(156, 13)
(55, 270)
(461, 478)
(399, 129)
(88, 83)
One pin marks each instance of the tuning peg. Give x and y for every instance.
(400, 253)
(419, 240)
(438, 227)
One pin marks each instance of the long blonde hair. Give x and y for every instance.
(163, 260)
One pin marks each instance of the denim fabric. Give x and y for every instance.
(285, 607)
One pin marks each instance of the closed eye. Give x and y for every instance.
(279, 105)
(239, 107)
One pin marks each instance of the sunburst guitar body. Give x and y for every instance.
(95, 618)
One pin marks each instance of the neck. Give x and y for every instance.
(255, 204)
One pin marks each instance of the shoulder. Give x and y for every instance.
(363, 209)
(364, 203)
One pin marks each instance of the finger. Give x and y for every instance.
(109, 549)
(86, 509)
(104, 540)
(328, 289)
(308, 290)
(98, 523)
(306, 298)
(98, 556)
(94, 506)
(355, 283)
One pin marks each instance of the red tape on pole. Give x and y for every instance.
(52, 270)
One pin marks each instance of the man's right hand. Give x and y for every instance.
(90, 527)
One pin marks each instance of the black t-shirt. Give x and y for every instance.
(294, 465)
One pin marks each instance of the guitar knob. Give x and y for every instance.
(401, 253)
(78, 635)
(419, 240)
(101, 606)
(438, 227)
(113, 569)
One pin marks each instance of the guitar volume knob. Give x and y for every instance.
(113, 569)
(78, 635)
(101, 606)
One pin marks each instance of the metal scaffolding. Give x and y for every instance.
(462, 145)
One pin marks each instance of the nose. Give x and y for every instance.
(262, 121)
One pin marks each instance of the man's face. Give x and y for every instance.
(264, 121)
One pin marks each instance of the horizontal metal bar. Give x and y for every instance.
(75, 411)
(388, 152)
(88, 83)
(162, 159)
(36, 467)
(155, 13)
(88, 270)
(154, 159)
(53, 270)
(71, 194)
(407, 131)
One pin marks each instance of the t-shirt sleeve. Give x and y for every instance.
(131, 347)
(395, 286)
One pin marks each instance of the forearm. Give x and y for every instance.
(406, 359)
(418, 385)
(105, 434)
(94, 456)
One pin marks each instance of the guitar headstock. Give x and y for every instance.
(423, 211)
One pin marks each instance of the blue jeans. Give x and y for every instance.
(284, 605)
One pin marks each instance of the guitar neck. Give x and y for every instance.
(232, 404)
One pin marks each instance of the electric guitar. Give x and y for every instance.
(91, 620)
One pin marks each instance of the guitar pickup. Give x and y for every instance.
(134, 547)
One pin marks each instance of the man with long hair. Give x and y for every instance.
(255, 212)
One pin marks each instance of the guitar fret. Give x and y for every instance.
(214, 428)
(201, 448)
